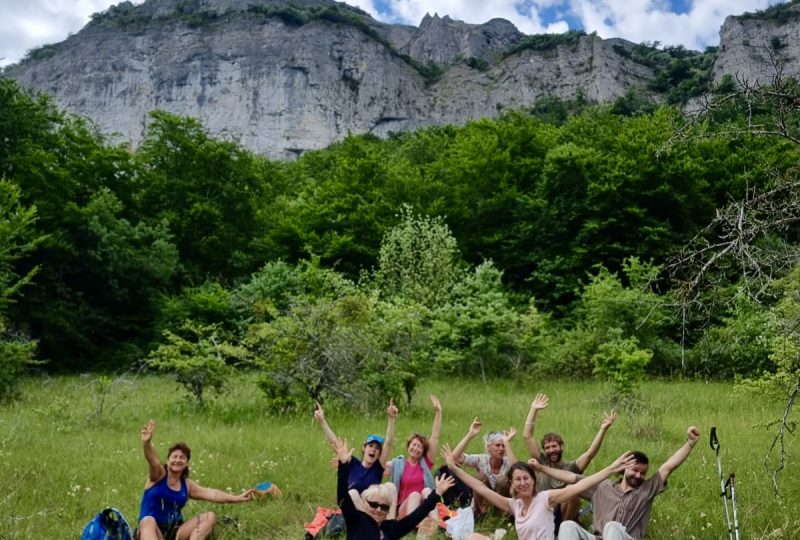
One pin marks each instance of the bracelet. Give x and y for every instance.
(528, 423)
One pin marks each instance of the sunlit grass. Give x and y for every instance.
(61, 462)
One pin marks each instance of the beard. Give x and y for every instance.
(633, 481)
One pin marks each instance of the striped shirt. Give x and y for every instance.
(631, 509)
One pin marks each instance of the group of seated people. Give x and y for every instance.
(542, 494)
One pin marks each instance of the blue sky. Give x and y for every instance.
(695, 24)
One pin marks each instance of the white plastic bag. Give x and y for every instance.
(460, 526)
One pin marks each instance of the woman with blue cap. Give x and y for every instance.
(376, 451)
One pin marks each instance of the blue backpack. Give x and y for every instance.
(108, 524)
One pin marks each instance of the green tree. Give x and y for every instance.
(347, 197)
(17, 239)
(101, 265)
(419, 260)
(613, 188)
(615, 313)
(201, 363)
(207, 191)
(476, 330)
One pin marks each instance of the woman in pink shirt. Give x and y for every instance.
(533, 512)
(412, 474)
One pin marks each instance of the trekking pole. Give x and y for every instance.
(722, 484)
(731, 483)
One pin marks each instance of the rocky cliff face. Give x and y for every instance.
(285, 77)
(753, 47)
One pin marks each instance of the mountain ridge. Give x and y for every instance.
(284, 77)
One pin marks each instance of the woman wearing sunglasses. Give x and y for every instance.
(377, 520)
(532, 511)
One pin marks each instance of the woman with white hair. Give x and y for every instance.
(492, 467)
(378, 519)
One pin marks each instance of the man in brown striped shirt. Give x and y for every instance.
(621, 509)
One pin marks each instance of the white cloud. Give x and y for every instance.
(477, 12)
(645, 20)
(25, 24)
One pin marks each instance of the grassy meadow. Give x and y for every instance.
(65, 455)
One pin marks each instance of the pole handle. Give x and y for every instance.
(713, 439)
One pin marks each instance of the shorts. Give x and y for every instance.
(168, 530)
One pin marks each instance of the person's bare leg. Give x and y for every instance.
(570, 508)
(198, 528)
(409, 505)
(148, 529)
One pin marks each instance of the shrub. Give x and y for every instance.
(622, 362)
(16, 357)
(200, 362)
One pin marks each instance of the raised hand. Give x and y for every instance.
(541, 401)
(508, 434)
(147, 431)
(435, 402)
(343, 451)
(319, 414)
(608, 419)
(534, 463)
(391, 410)
(475, 426)
(693, 434)
(443, 483)
(623, 462)
(447, 454)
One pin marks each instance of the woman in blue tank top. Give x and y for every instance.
(167, 490)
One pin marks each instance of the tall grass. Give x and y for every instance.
(62, 461)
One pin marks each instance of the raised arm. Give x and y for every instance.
(200, 493)
(558, 496)
(507, 436)
(155, 471)
(319, 415)
(344, 454)
(675, 460)
(458, 451)
(474, 484)
(539, 402)
(561, 475)
(408, 523)
(436, 429)
(386, 450)
(586, 458)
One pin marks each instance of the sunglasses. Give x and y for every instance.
(376, 505)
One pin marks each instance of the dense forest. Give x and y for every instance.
(588, 243)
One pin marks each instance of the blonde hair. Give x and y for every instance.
(386, 492)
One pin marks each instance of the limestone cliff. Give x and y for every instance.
(754, 46)
(282, 77)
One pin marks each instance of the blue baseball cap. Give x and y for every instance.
(372, 438)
